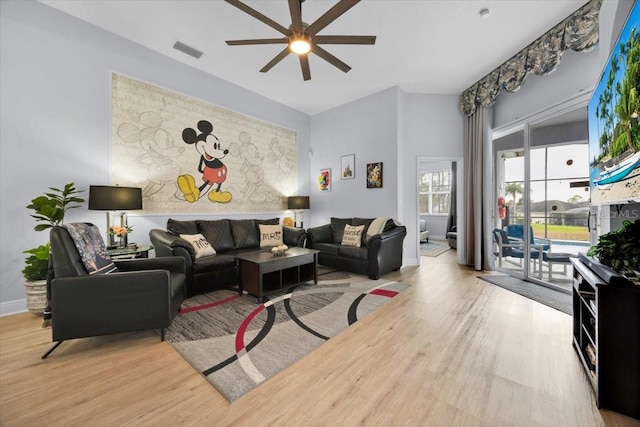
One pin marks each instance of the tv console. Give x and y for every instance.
(606, 334)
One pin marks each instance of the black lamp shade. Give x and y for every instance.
(109, 198)
(298, 202)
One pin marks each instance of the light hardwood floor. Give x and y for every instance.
(450, 350)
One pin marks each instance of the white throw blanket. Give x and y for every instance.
(377, 226)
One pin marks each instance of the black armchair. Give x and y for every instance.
(142, 294)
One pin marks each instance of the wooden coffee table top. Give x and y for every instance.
(266, 255)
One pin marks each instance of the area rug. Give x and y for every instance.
(434, 248)
(237, 343)
(561, 301)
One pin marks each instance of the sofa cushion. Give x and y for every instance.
(337, 228)
(352, 235)
(327, 248)
(218, 233)
(366, 222)
(213, 263)
(201, 246)
(245, 233)
(353, 252)
(270, 235)
(182, 227)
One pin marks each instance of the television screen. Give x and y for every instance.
(614, 128)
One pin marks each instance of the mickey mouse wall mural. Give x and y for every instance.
(214, 171)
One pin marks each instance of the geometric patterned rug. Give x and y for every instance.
(237, 343)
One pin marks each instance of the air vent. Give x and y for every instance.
(187, 49)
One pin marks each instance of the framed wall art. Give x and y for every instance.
(324, 180)
(193, 157)
(348, 166)
(374, 175)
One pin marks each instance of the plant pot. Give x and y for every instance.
(36, 296)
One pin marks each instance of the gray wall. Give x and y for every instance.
(55, 105)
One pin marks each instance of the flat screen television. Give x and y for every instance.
(614, 125)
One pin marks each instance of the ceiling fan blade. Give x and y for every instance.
(329, 58)
(257, 41)
(345, 39)
(279, 57)
(330, 15)
(296, 15)
(260, 17)
(304, 64)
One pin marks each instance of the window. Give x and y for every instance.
(435, 190)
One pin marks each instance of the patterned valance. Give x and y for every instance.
(578, 32)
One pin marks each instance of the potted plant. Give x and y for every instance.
(50, 210)
(620, 249)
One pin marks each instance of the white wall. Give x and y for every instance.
(432, 127)
(55, 119)
(367, 128)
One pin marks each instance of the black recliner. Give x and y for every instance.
(143, 294)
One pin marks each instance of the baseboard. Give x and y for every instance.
(13, 307)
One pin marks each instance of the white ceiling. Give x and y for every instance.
(422, 46)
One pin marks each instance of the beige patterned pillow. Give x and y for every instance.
(352, 235)
(270, 235)
(201, 246)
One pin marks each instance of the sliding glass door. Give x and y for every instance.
(542, 177)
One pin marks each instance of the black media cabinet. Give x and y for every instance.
(606, 334)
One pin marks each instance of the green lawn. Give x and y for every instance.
(562, 232)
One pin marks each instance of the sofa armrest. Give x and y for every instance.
(100, 301)
(174, 264)
(385, 251)
(321, 234)
(165, 244)
(293, 236)
(398, 231)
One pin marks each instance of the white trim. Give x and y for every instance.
(13, 307)
(578, 101)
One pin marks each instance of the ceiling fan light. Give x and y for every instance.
(300, 45)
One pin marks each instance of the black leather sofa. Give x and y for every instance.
(227, 236)
(143, 294)
(378, 255)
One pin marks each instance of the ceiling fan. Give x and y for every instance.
(302, 38)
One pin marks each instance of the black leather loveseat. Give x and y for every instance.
(378, 253)
(227, 236)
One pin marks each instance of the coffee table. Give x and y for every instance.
(263, 273)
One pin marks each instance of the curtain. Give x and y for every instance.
(578, 32)
(477, 176)
(452, 220)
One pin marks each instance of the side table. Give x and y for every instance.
(130, 252)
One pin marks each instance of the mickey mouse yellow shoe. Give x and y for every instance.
(187, 185)
(220, 196)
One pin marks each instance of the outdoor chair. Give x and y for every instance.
(515, 249)
(516, 232)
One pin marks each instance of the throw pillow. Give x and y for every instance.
(200, 245)
(270, 235)
(352, 235)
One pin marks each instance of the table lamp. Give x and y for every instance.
(116, 200)
(297, 204)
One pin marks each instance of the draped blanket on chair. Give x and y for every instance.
(88, 241)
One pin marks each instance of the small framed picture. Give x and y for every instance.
(348, 167)
(324, 180)
(374, 175)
